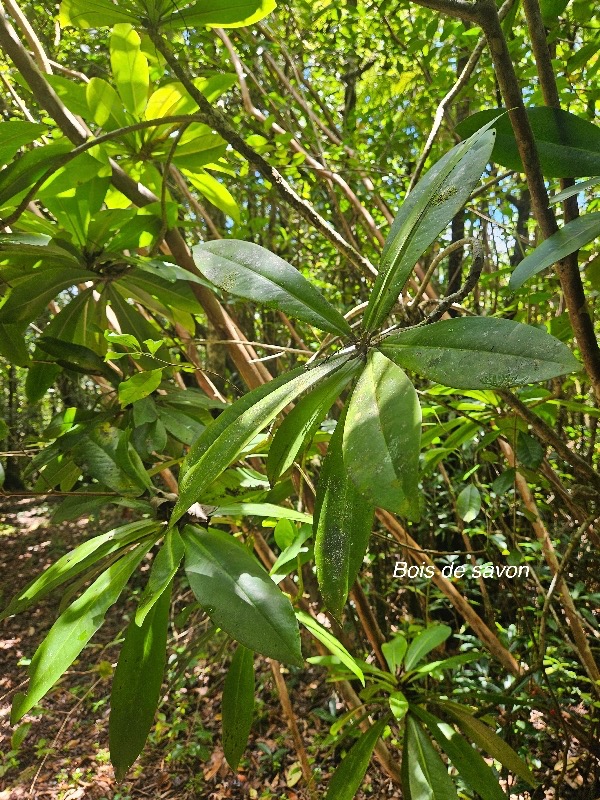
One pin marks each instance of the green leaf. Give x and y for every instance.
(347, 778)
(394, 652)
(76, 561)
(94, 13)
(468, 503)
(106, 107)
(425, 213)
(239, 596)
(291, 552)
(568, 146)
(139, 386)
(238, 705)
(216, 193)
(14, 134)
(426, 773)
(220, 443)
(567, 240)
(23, 171)
(284, 533)
(489, 741)
(300, 425)
(40, 378)
(165, 565)
(470, 765)
(529, 451)
(124, 339)
(136, 685)
(382, 437)
(437, 667)
(572, 190)
(424, 643)
(250, 271)
(29, 296)
(343, 521)
(130, 68)
(261, 510)
(222, 13)
(73, 630)
(331, 643)
(75, 357)
(504, 482)
(398, 705)
(13, 346)
(480, 353)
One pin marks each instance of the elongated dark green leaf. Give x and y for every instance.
(78, 560)
(426, 773)
(571, 237)
(251, 271)
(300, 425)
(382, 437)
(100, 461)
(220, 443)
(490, 742)
(239, 596)
(347, 778)
(480, 353)
(571, 190)
(423, 216)
(471, 766)
(73, 630)
(13, 346)
(165, 565)
(424, 643)
(136, 685)
(335, 647)
(75, 357)
(31, 295)
(568, 146)
(437, 667)
(261, 510)
(238, 705)
(222, 13)
(343, 521)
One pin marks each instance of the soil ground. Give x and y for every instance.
(64, 755)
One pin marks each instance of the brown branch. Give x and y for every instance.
(568, 272)
(582, 647)
(219, 123)
(584, 471)
(489, 639)
(252, 374)
(288, 712)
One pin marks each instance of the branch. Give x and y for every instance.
(453, 8)
(461, 82)
(585, 472)
(466, 288)
(582, 647)
(253, 374)
(219, 123)
(568, 272)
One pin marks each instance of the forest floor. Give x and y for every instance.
(64, 753)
